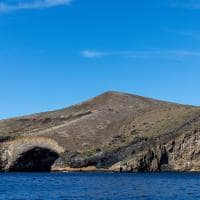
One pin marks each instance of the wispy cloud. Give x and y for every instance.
(153, 53)
(191, 34)
(194, 34)
(187, 4)
(97, 54)
(31, 4)
(92, 54)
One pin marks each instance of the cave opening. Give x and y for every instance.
(35, 160)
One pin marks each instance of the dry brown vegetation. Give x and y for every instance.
(105, 122)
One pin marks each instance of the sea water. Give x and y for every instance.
(99, 186)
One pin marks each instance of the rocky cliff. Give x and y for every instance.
(112, 132)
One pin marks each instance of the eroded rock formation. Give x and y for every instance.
(29, 154)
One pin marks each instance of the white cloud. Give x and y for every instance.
(97, 54)
(92, 54)
(152, 53)
(187, 4)
(31, 4)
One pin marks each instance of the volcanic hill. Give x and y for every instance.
(111, 132)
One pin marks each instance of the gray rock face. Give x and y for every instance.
(112, 132)
(179, 154)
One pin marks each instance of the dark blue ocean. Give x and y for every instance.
(99, 186)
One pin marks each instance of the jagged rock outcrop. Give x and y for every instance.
(112, 132)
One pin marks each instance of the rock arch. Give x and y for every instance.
(31, 154)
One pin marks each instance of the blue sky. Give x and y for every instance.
(54, 53)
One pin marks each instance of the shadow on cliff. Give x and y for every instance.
(35, 160)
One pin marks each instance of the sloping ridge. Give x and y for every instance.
(113, 131)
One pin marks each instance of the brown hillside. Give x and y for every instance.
(107, 123)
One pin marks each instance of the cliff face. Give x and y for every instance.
(114, 131)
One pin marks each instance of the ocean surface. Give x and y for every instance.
(99, 186)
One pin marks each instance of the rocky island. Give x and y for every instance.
(111, 132)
